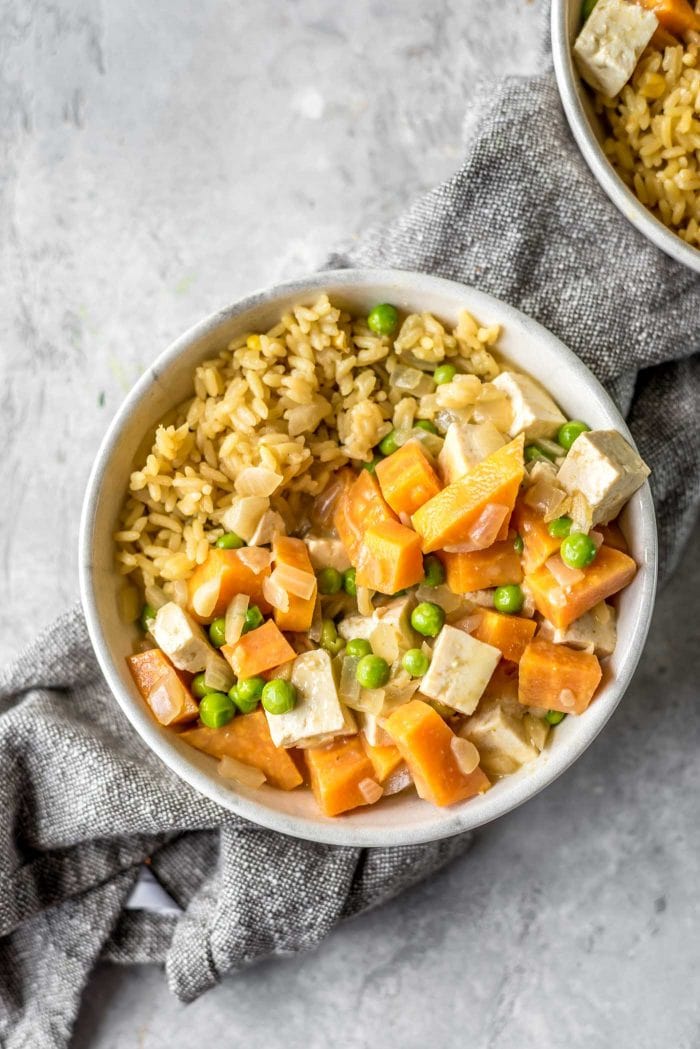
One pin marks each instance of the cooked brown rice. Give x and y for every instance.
(301, 400)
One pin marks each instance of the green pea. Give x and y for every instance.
(198, 688)
(425, 424)
(216, 709)
(434, 571)
(560, 528)
(253, 619)
(570, 431)
(358, 648)
(383, 319)
(279, 697)
(534, 454)
(330, 581)
(349, 583)
(147, 617)
(329, 637)
(229, 541)
(553, 717)
(586, 8)
(372, 672)
(415, 662)
(444, 373)
(217, 632)
(508, 599)
(518, 544)
(246, 693)
(578, 550)
(388, 445)
(372, 464)
(428, 619)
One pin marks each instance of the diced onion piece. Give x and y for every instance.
(370, 790)
(400, 688)
(597, 538)
(364, 601)
(581, 514)
(276, 595)
(255, 558)
(564, 575)
(384, 642)
(244, 515)
(129, 603)
(446, 416)
(218, 675)
(545, 496)
(257, 480)
(482, 598)
(304, 418)
(466, 755)
(468, 623)
(295, 581)
(487, 525)
(325, 503)
(406, 378)
(349, 688)
(537, 729)
(234, 619)
(550, 447)
(440, 595)
(567, 698)
(179, 592)
(316, 628)
(371, 700)
(397, 781)
(430, 442)
(246, 775)
(494, 406)
(271, 525)
(155, 597)
(205, 597)
(405, 519)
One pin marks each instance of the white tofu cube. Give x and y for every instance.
(466, 444)
(595, 629)
(459, 670)
(610, 44)
(327, 553)
(318, 711)
(534, 412)
(605, 469)
(502, 740)
(181, 638)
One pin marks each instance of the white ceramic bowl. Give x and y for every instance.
(586, 128)
(398, 820)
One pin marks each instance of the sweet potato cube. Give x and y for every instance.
(235, 577)
(247, 739)
(557, 677)
(539, 544)
(359, 507)
(425, 743)
(447, 518)
(511, 634)
(611, 571)
(675, 16)
(293, 552)
(480, 569)
(336, 771)
(384, 759)
(407, 479)
(389, 558)
(613, 536)
(259, 650)
(162, 687)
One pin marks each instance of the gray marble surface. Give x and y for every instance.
(159, 160)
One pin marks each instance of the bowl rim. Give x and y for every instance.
(570, 90)
(336, 832)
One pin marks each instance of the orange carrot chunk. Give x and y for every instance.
(359, 507)
(338, 772)
(407, 479)
(294, 553)
(511, 634)
(557, 677)
(448, 517)
(162, 687)
(247, 739)
(677, 16)
(384, 759)
(611, 571)
(235, 577)
(425, 743)
(389, 558)
(538, 543)
(497, 565)
(259, 650)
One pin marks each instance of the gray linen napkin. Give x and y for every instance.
(83, 803)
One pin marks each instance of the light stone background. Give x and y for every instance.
(161, 158)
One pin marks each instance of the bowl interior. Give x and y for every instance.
(589, 135)
(398, 820)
